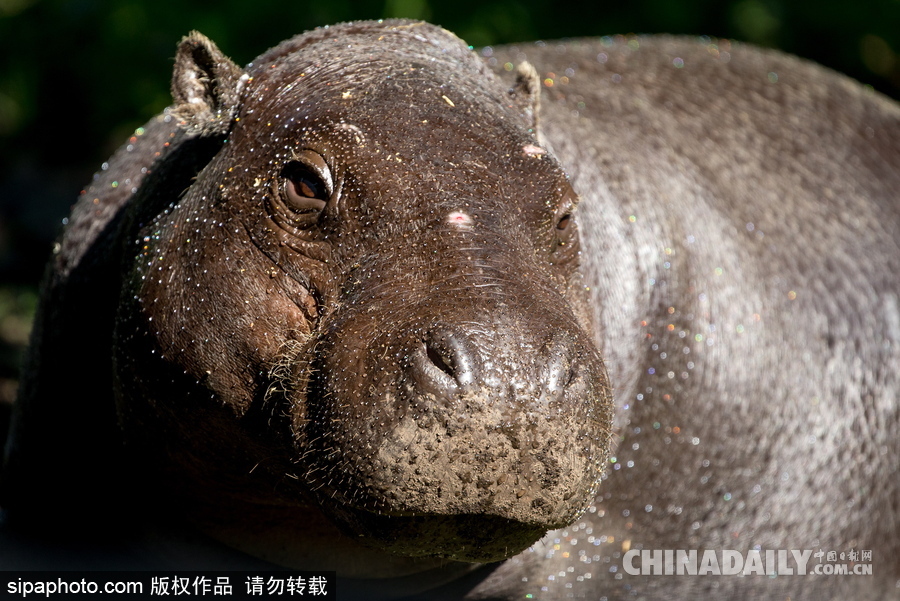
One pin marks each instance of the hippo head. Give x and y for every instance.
(367, 301)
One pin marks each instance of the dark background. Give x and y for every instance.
(77, 76)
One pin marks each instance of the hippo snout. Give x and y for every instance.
(451, 426)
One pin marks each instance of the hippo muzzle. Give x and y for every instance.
(473, 423)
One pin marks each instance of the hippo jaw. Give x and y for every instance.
(453, 439)
(457, 480)
(461, 502)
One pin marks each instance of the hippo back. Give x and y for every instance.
(740, 221)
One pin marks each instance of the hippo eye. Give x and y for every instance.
(565, 247)
(564, 222)
(565, 230)
(307, 183)
(304, 190)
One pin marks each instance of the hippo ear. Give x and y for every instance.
(526, 93)
(205, 86)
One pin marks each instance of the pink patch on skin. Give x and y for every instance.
(532, 150)
(459, 219)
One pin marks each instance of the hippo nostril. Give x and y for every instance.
(437, 359)
(560, 368)
(445, 364)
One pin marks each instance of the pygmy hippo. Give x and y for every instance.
(383, 305)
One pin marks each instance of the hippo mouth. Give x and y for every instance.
(474, 538)
(472, 484)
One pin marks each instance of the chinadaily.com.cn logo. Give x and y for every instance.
(727, 562)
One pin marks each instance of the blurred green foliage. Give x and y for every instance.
(17, 305)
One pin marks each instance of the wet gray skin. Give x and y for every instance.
(353, 308)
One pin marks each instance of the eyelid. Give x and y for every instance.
(317, 163)
(567, 206)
